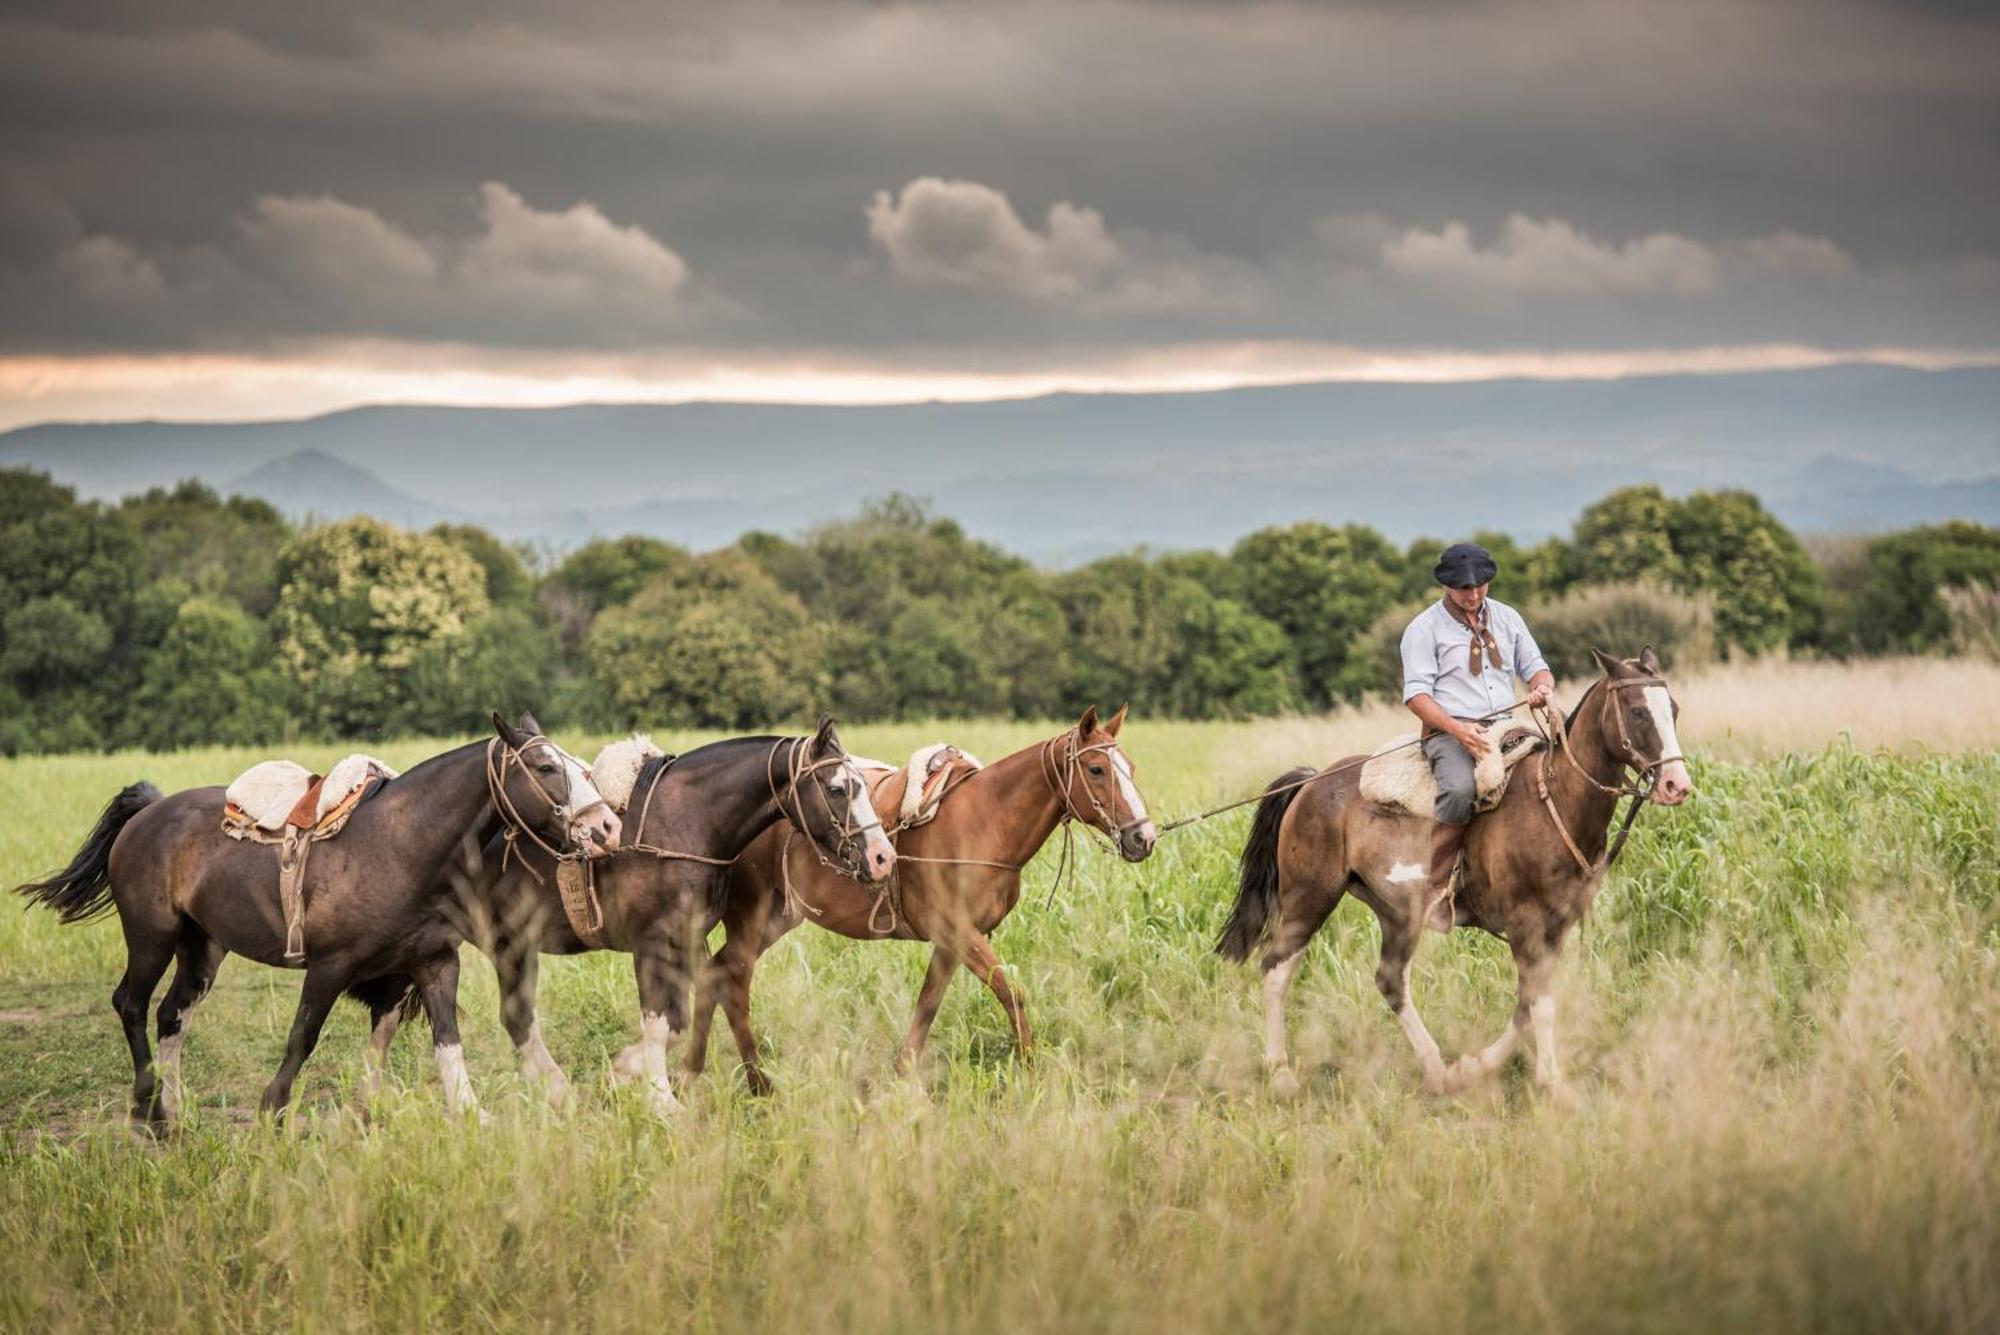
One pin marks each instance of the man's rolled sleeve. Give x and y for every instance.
(1419, 659)
(1528, 658)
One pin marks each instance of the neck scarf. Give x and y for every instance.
(1482, 636)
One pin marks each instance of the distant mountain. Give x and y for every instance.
(314, 485)
(1070, 476)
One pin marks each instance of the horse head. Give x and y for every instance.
(1637, 723)
(827, 800)
(543, 788)
(1097, 784)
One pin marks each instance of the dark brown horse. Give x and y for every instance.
(957, 879)
(380, 916)
(1532, 866)
(689, 817)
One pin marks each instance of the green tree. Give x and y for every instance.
(227, 548)
(718, 644)
(507, 660)
(1897, 606)
(507, 579)
(360, 603)
(1626, 536)
(1765, 587)
(210, 679)
(1322, 586)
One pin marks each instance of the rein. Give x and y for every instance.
(1629, 761)
(511, 757)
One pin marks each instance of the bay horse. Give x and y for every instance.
(378, 921)
(957, 878)
(690, 817)
(1532, 866)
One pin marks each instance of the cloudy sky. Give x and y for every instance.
(225, 208)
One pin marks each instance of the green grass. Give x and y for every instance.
(1782, 1029)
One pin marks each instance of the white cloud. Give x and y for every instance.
(1792, 253)
(567, 258)
(962, 232)
(327, 242)
(109, 270)
(1553, 256)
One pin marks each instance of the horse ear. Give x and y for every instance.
(1605, 661)
(507, 731)
(826, 740)
(529, 723)
(1649, 660)
(1088, 723)
(1117, 721)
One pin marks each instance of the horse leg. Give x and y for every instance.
(1532, 968)
(147, 954)
(978, 955)
(1300, 915)
(196, 961)
(741, 966)
(517, 963)
(384, 1019)
(936, 978)
(1392, 979)
(322, 988)
(662, 1017)
(1536, 966)
(707, 995)
(437, 984)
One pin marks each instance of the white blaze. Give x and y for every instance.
(1128, 790)
(1661, 706)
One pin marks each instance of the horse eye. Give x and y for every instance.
(546, 768)
(1098, 770)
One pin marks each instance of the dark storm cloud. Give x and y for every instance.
(955, 181)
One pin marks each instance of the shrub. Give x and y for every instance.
(1621, 619)
(1975, 619)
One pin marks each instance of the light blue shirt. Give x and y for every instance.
(1437, 651)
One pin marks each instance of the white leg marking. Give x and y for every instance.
(538, 1066)
(655, 1033)
(1420, 1038)
(375, 1063)
(167, 1069)
(458, 1095)
(1542, 1012)
(1277, 982)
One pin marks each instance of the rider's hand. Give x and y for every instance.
(1538, 697)
(1472, 737)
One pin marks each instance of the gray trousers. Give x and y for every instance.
(1452, 764)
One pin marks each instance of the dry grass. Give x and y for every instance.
(1744, 711)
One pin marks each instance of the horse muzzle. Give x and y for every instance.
(878, 857)
(1672, 786)
(596, 830)
(1135, 842)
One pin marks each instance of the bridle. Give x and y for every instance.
(503, 756)
(851, 835)
(1636, 774)
(1062, 773)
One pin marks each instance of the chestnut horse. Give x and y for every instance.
(381, 918)
(957, 878)
(1532, 866)
(689, 817)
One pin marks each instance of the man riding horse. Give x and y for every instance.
(1458, 655)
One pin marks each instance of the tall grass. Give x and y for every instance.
(1782, 1027)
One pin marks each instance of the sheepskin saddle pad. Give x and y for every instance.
(1398, 775)
(915, 791)
(620, 765)
(266, 798)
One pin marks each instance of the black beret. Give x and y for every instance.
(1465, 564)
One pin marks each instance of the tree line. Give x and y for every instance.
(181, 617)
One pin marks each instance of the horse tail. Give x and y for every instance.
(82, 890)
(1257, 883)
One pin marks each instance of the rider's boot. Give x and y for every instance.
(1446, 842)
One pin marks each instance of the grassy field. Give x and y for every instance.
(1781, 1028)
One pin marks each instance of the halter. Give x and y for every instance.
(502, 756)
(1061, 774)
(850, 834)
(1628, 759)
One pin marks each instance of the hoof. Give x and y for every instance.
(555, 1088)
(1436, 1080)
(629, 1064)
(1463, 1073)
(1285, 1083)
(760, 1084)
